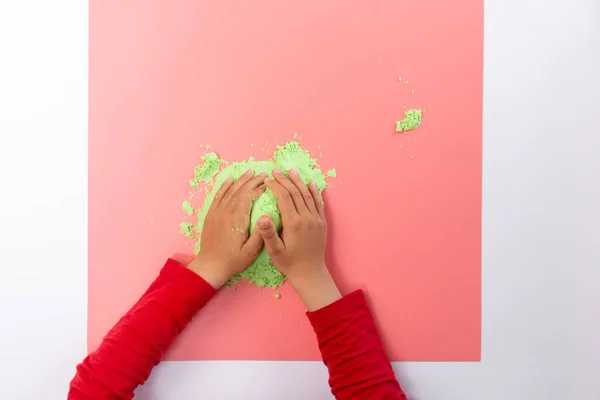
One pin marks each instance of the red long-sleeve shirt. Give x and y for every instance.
(347, 336)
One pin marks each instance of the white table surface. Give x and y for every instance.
(541, 217)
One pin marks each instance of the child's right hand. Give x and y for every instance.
(300, 252)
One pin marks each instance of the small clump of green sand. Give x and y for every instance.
(207, 170)
(412, 120)
(187, 208)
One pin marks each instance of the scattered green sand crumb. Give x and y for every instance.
(187, 229)
(262, 272)
(187, 208)
(205, 171)
(277, 296)
(412, 120)
(332, 173)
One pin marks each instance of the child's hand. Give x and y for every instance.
(225, 249)
(300, 252)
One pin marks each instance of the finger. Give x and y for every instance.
(242, 204)
(306, 194)
(246, 195)
(293, 190)
(273, 242)
(222, 192)
(249, 188)
(252, 248)
(284, 200)
(256, 193)
(237, 185)
(241, 208)
(318, 200)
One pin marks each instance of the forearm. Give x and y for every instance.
(138, 341)
(353, 352)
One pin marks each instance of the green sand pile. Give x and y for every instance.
(412, 120)
(261, 272)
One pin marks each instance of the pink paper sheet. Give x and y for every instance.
(404, 213)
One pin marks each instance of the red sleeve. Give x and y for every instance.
(138, 341)
(352, 351)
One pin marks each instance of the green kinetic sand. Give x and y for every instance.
(261, 272)
(187, 208)
(207, 170)
(332, 173)
(412, 120)
(187, 230)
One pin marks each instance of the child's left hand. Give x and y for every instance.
(225, 248)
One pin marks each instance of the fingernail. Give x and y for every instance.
(263, 223)
(313, 184)
(263, 174)
(267, 179)
(293, 172)
(228, 180)
(276, 171)
(249, 172)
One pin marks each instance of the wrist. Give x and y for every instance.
(212, 274)
(316, 289)
(302, 275)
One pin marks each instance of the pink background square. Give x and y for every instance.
(404, 213)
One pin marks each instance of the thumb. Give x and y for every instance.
(273, 242)
(253, 246)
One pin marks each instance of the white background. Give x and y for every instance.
(541, 217)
